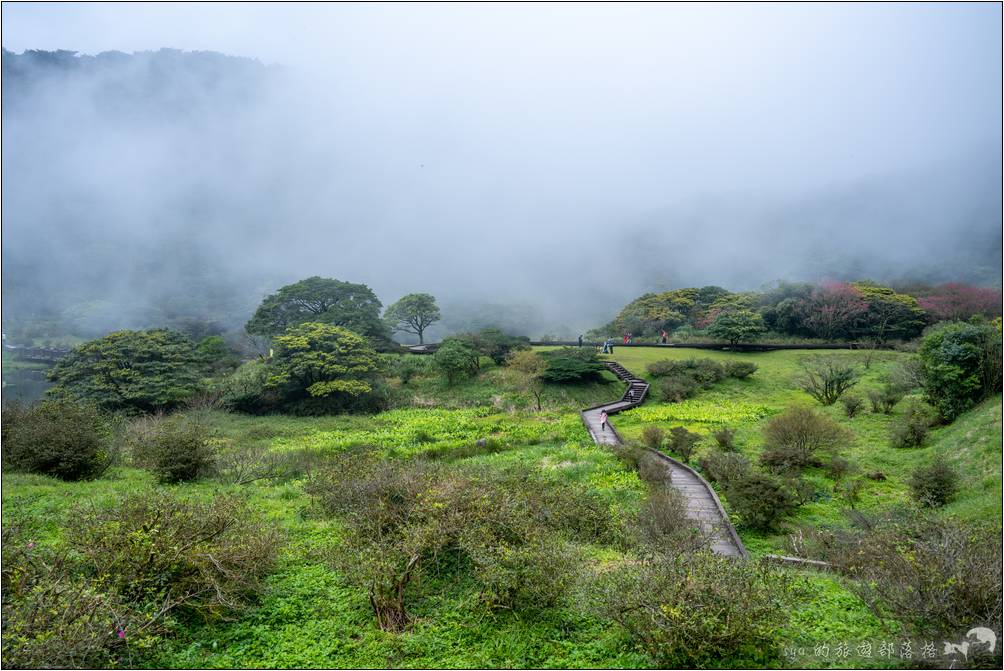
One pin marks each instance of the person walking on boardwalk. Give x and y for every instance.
(580, 340)
(665, 336)
(603, 420)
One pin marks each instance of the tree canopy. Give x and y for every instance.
(413, 314)
(320, 300)
(321, 360)
(736, 325)
(131, 370)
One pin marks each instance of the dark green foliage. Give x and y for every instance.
(407, 367)
(652, 469)
(455, 360)
(934, 485)
(321, 300)
(960, 365)
(175, 449)
(725, 438)
(938, 577)
(676, 388)
(724, 467)
(154, 548)
(737, 325)
(740, 369)
(853, 405)
(682, 442)
(662, 526)
(324, 367)
(131, 370)
(911, 428)
(838, 468)
(217, 358)
(798, 437)
(883, 400)
(413, 314)
(760, 500)
(827, 378)
(698, 610)
(495, 344)
(61, 438)
(572, 365)
(247, 389)
(653, 437)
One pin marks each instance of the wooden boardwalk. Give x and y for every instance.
(702, 503)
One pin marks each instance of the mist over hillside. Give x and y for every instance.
(151, 188)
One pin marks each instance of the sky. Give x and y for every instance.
(574, 156)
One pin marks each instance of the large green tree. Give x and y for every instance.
(131, 370)
(413, 314)
(320, 360)
(961, 365)
(737, 325)
(321, 300)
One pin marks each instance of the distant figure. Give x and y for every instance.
(603, 420)
(627, 338)
(665, 337)
(610, 345)
(580, 341)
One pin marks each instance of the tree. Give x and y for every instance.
(455, 360)
(572, 365)
(827, 378)
(834, 310)
(321, 360)
(130, 370)
(413, 314)
(797, 437)
(955, 301)
(961, 365)
(495, 343)
(889, 314)
(320, 300)
(530, 366)
(737, 325)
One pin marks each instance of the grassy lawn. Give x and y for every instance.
(310, 617)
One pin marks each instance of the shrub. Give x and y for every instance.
(455, 360)
(703, 371)
(663, 527)
(725, 438)
(175, 449)
(838, 468)
(676, 388)
(937, 576)
(61, 438)
(850, 490)
(934, 485)
(724, 467)
(885, 399)
(827, 378)
(740, 369)
(54, 618)
(653, 437)
(682, 442)
(156, 549)
(696, 610)
(572, 365)
(911, 428)
(798, 436)
(961, 365)
(852, 405)
(247, 390)
(760, 500)
(653, 470)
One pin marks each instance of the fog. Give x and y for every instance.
(549, 160)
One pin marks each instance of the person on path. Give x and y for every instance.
(603, 420)
(610, 345)
(626, 338)
(580, 341)
(665, 336)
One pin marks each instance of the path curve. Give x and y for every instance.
(703, 505)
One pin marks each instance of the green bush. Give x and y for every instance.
(703, 371)
(911, 428)
(662, 526)
(724, 467)
(934, 485)
(827, 378)
(740, 369)
(61, 438)
(653, 437)
(572, 365)
(960, 366)
(455, 360)
(653, 470)
(883, 400)
(247, 390)
(798, 437)
(760, 500)
(698, 610)
(682, 442)
(725, 438)
(853, 404)
(676, 388)
(175, 449)
(154, 548)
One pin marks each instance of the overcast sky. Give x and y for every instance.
(543, 123)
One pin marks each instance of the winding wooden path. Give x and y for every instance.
(703, 505)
